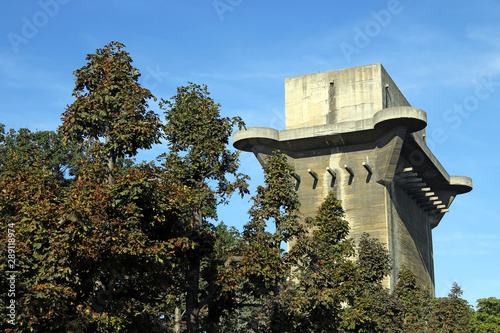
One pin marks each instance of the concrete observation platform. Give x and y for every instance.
(352, 131)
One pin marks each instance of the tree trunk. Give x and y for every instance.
(192, 309)
(178, 319)
(111, 164)
(111, 169)
(214, 314)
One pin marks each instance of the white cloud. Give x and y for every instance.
(487, 34)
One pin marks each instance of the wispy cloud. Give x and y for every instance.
(459, 243)
(487, 34)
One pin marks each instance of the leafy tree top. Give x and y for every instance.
(373, 260)
(490, 306)
(198, 139)
(487, 317)
(276, 202)
(111, 105)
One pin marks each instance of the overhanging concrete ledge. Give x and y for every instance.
(458, 184)
(343, 133)
(412, 118)
(245, 139)
(461, 184)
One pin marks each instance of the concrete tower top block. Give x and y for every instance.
(344, 95)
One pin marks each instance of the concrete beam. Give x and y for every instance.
(349, 169)
(313, 174)
(410, 180)
(367, 167)
(331, 172)
(413, 185)
(419, 190)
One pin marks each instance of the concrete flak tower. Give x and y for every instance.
(352, 131)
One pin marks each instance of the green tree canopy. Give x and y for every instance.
(45, 146)
(452, 313)
(372, 308)
(110, 108)
(322, 273)
(487, 316)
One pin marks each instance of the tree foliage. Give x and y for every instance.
(371, 308)
(274, 219)
(487, 317)
(322, 273)
(200, 160)
(417, 302)
(262, 270)
(110, 105)
(452, 313)
(45, 146)
(95, 244)
(422, 313)
(276, 203)
(198, 139)
(87, 250)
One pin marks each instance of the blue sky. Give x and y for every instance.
(443, 55)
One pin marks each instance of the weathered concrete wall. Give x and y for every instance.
(387, 213)
(358, 92)
(410, 236)
(363, 199)
(306, 100)
(343, 95)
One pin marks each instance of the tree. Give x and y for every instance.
(263, 269)
(372, 308)
(322, 275)
(306, 289)
(47, 146)
(487, 316)
(28, 206)
(373, 260)
(416, 302)
(219, 286)
(452, 313)
(111, 105)
(200, 160)
(87, 249)
(277, 203)
(422, 313)
(274, 219)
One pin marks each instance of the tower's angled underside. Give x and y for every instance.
(352, 131)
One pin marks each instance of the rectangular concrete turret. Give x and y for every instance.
(345, 95)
